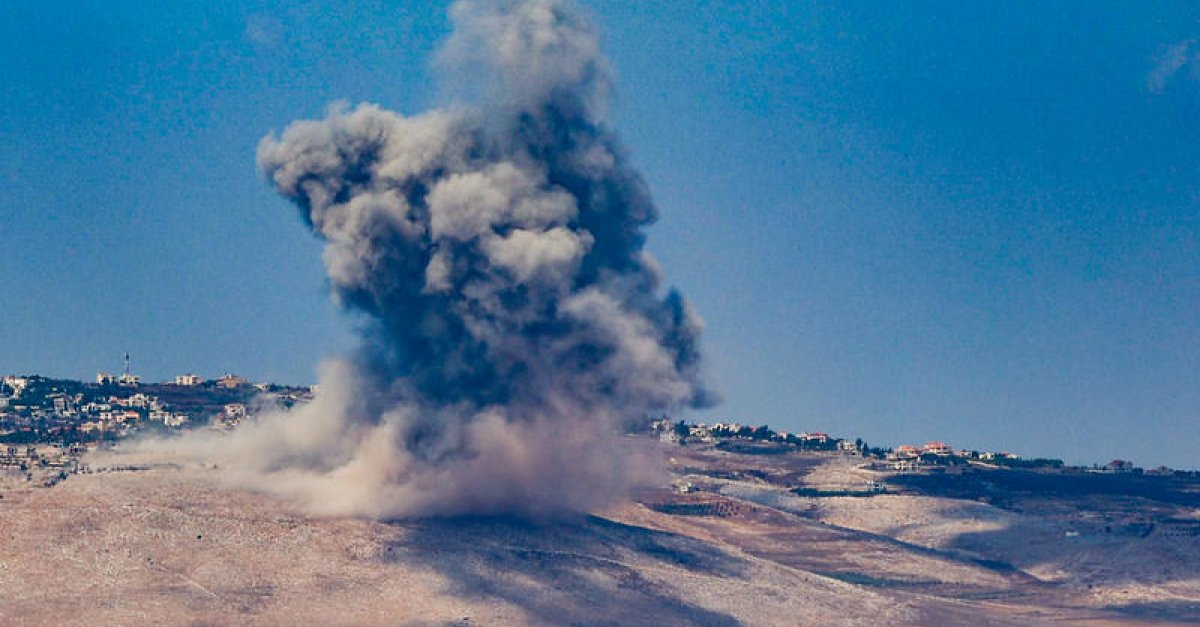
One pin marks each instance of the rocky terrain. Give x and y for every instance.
(733, 542)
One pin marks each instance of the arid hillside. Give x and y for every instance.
(733, 542)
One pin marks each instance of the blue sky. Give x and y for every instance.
(976, 222)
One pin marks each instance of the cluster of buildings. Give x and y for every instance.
(227, 381)
(39, 409)
(125, 379)
(121, 413)
(936, 456)
(49, 463)
(32, 403)
(682, 432)
(25, 456)
(46, 424)
(909, 458)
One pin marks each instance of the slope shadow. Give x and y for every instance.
(1103, 515)
(1174, 612)
(568, 573)
(1000, 485)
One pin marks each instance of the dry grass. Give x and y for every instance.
(168, 546)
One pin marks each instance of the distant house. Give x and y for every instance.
(63, 405)
(815, 438)
(846, 446)
(701, 433)
(910, 464)
(232, 415)
(231, 381)
(904, 451)
(104, 378)
(138, 400)
(937, 448)
(188, 380)
(159, 415)
(18, 384)
(1119, 466)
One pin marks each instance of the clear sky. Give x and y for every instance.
(975, 222)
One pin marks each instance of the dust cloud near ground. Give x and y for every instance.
(513, 322)
(733, 543)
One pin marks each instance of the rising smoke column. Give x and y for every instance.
(515, 325)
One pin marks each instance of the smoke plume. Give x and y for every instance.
(515, 325)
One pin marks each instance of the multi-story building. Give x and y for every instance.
(188, 379)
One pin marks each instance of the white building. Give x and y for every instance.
(138, 400)
(17, 384)
(816, 437)
(231, 381)
(701, 433)
(937, 448)
(188, 379)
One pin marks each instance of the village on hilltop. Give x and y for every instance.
(48, 423)
(931, 457)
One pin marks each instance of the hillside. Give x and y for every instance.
(733, 543)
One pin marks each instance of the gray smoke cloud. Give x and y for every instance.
(515, 325)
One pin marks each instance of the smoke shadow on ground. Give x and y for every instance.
(588, 572)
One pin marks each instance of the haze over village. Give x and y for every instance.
(51, 422)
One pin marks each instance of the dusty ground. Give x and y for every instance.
(165, 546)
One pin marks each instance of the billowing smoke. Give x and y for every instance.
(514, 322)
